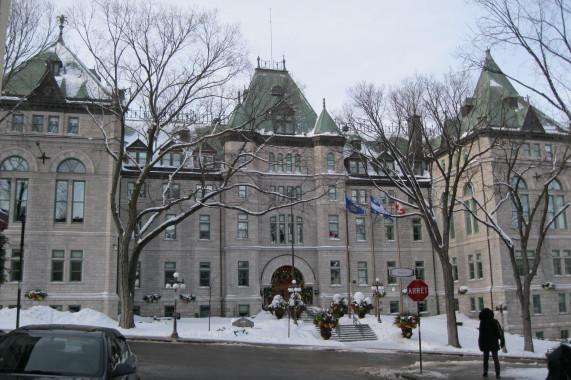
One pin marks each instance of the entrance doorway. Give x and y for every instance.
(281, 281)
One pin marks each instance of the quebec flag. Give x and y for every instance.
(377, 208)
(353, 208)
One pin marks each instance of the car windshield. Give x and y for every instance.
(47, 353)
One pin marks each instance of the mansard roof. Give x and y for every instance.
(497, 104)
(55, 74)
(269, 91)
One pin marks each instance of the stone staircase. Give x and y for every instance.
(344, 333)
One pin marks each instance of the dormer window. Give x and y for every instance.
(204, 160)
(172, 159)
(55, 67)
(357, 167)
(277, 91)
(283, 119)
(136, 157)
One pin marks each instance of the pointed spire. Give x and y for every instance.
(61, 20)
(324, 103)
(325, 123)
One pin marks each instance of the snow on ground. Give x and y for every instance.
(267, 329)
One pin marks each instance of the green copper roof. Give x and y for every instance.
(73, 79)
(325, 124)
(273, 91)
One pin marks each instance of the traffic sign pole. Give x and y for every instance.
(419, 337)
(417, 290)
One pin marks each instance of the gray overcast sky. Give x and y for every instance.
(330, 45)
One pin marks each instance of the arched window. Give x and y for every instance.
(71, 165)
(330, 161)
(20, 197)
(298, 163)
(519, 197)
(288, 163)
(272, 160)
(556, 201)
(280, 162)
(16, 164)
(67, 187)
(470, 221)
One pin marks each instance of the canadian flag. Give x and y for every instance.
(399, 209)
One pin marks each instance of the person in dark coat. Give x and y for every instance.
(559, 363)
(490, 333)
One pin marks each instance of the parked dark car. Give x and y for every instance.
(61, 351)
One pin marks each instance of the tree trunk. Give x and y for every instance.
(125, 295)
(449, 297)
(526, 317)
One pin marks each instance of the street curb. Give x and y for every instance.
(159, 339)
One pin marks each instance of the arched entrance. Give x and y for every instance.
(282, 278)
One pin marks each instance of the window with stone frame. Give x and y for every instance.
(299, 225)
(171, 159)
(243, 273)
(362, 273)
(330, 162)
(335, 270)
(15, 265)
(76, 266)
(204, 227)
(37, 123)
(73, 125)
(142, 192)
(360, 229)
(283, 120)
(289, 163)
(391, 280)
(536, 301)
(455, 268)
(17, 122)
(416, 229)
(556, 202)
(333, 227)
(242, 226)
(272, 162)
(53, 124)
(389, 231)
(332, 193)
(171, 190)
(297, 163)
(58, 263)
(242, 192)
(170, 231)
(169, 270)
(204, 274)
(562, 299)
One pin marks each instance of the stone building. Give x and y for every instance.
(54, 165)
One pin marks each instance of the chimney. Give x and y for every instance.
(184, 135)
(415, 131)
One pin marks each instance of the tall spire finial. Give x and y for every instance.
(323, 103)
(61, 20)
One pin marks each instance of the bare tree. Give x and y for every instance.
(31, 28)
(526, 189)
(171, 65)
(538, 29)
(415, 136)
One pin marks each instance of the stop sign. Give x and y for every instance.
(417, 290)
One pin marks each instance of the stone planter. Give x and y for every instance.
(325, 333)
(406, 333)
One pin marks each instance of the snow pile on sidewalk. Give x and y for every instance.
(267, 329)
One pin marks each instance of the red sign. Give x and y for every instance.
(417, 290)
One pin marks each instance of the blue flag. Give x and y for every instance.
(353, 208)
(379, 209)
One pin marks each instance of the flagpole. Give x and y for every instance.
(398, 253)
(373, 253)
(348, 265)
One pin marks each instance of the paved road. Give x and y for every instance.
(234, 361)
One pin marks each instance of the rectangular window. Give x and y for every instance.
(474, 220)
(416, 229)
(363, 197)
(282, 229)
(360, 230)
(74, 308)
(389, 231)
(536, 304)
(332, 193)
(362, 273)
(526, 150)
(468, 222)
(548, 152)
(204, 275)
(557, 268)
(5, 194)
(394, 307)
(243, 273)
(15, 265)
(272, 189)
(390, 279)
(554, 204)
(131, 186)
(479, 266)
(354, 195)
(281, 191)
(60, 213)
(21, 199)
(536, 151)
(170, 231)
(567, 262)
(562, 304)
(333, 227)
(170, 268)
(243, 310)
(480, 303)
(172, 192)
(53, 124)
(471, 267)
(472, 304)
(204, 227)
(564, 334)
(452, 230)
(335, 268)
(273, 230)
(78, 204)
(58, 257)
(242, 226)
(73, 125)
(290, 228)
(299, 230)
(138, 275)
(242, 191)
(455, 268)
(419, 270)
(37, 123)
(539, 335)
(76, 266)
(17, 122)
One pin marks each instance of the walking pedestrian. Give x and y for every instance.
(490, 333)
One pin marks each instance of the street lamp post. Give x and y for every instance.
(501, 308)
(175, 284)
(294, 291)
(378, 292)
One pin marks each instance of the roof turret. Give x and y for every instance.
(325, 124)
